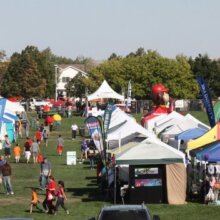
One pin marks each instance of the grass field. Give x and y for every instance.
(84, 198)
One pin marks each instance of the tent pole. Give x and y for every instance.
(119, 142)
(115, 188)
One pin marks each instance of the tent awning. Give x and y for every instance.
(191, 134)
(209, 137)
(149, 152)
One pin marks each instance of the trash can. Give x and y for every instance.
(71, 157)
(82, 131)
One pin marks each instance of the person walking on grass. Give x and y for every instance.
(27, 149)
(50, 196)
(38, 136)
(74, 129)
(35, 149)
(7, 147)
(45, 172)
(45, 135)
(34, 201)
(60, 145)
(6, 177)
(61, 196)
(17, 153)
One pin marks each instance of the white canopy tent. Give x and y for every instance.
(105, 92)
(171, 119)
(187, 123)
(150, 152)
(123, 126)
(14, 107)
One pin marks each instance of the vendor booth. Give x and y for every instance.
(187, 123)
(7, 120)
(185, 136)
(157, 173)
(209, 137)
(171, 119)
(123, 128)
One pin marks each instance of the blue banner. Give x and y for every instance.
(2, 110)
(207, 100)
(95, 131)
(107, 117)
(129, 95)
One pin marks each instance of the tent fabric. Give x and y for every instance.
(176, 183)
(7, 119)
(123, 125)
(187, 123)
(171, 119)
(210, 154)
(105, 92)
(14, 107)
(191, 134)
(150, 124)
(209, 137)
(149, 152)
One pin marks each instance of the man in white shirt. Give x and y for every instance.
(74, 128)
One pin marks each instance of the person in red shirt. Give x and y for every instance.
(38, 136)
(50, 121)
(50, 196)
(61, 196)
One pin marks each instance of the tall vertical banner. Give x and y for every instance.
(95, 131)
(129, 95)
(107, 117)
(2, 110)
(207, 100)
(217, 111)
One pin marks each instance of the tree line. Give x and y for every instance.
(31, 73)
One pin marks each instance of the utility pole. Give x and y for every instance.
(56, 69)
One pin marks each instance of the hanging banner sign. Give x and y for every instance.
(207, 100)
(95, 131)
(107, 117)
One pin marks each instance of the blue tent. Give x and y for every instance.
(7, 119)
(191, 134)
(210, 154)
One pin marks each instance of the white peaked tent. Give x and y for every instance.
(187, 123)
(147, 153)
(171, 119)
(122, 125)
(150, 124)
(105, 92)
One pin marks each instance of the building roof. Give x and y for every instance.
(79, 67)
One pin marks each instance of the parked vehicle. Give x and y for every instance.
(125, 212)
(35, 102)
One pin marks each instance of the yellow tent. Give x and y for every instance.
(209, 137)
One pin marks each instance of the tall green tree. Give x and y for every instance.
(209, 69)
(23, 77)
(3, 65)
(145, 69)
(76, 87)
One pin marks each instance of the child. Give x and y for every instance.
(17, 153)
(34, 201)
(61, 196)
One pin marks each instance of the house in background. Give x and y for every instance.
(64, 74)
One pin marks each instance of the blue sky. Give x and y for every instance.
(97, 28)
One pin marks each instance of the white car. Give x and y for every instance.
(38, 102)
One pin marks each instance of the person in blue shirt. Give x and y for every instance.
(84, 149)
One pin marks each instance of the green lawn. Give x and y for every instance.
(84, 198)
